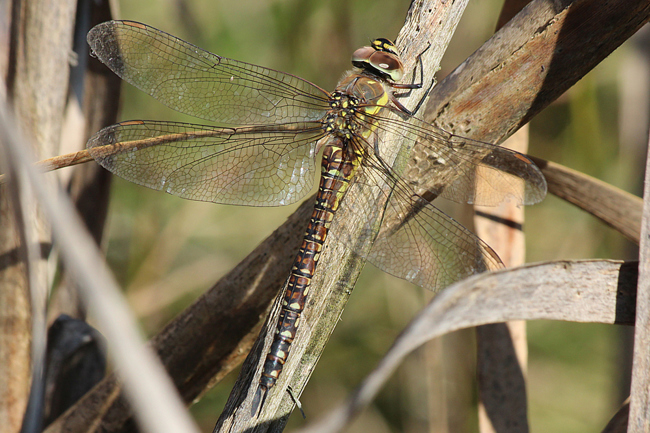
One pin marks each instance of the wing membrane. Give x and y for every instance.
(271, 161)
(421, 244)
(196, 82)
(411, 238)
(436, 163)
(256, 166)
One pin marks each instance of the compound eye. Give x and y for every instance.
(380, 57)
(387, 63)
(362, 55)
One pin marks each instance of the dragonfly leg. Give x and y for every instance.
(400, 107)
(423, 98)
(411, 86)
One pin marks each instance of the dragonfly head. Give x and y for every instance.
(380, 59)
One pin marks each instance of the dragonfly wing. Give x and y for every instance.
(199, 83)
(410, 237)
(436, 163)
(257, 166)
(428, 248)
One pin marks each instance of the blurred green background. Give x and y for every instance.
(166, 251)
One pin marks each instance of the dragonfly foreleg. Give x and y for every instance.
(411, 86)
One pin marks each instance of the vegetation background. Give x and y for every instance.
(166, 251)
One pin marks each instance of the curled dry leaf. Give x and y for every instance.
(594, 291)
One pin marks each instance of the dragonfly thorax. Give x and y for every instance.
(340, 119)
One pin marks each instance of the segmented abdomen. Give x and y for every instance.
(336, 173)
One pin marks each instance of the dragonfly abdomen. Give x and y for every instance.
(336, 172)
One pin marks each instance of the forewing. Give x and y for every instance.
(257, 166)
(199, 83)
(436, 163)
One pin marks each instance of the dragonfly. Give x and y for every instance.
(269, 128)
